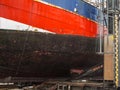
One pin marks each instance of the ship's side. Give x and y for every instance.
(35, 54)
(51, 18)
(76, 6)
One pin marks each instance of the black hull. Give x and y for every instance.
(33, 54)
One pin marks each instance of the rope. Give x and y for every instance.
(22, 54)
(24, 46)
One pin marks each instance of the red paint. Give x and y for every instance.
(47, 17)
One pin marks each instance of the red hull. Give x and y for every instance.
(47, 17)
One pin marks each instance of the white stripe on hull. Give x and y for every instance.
(13, 25)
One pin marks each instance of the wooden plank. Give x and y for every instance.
(108, 58)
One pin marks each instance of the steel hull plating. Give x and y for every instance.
(48, 17)
(31, 54)
(77, 6)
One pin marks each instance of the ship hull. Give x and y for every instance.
(35, 54)
(31, 54)
(48, 17)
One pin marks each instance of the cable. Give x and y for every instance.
(22, 54)
(24, 46)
